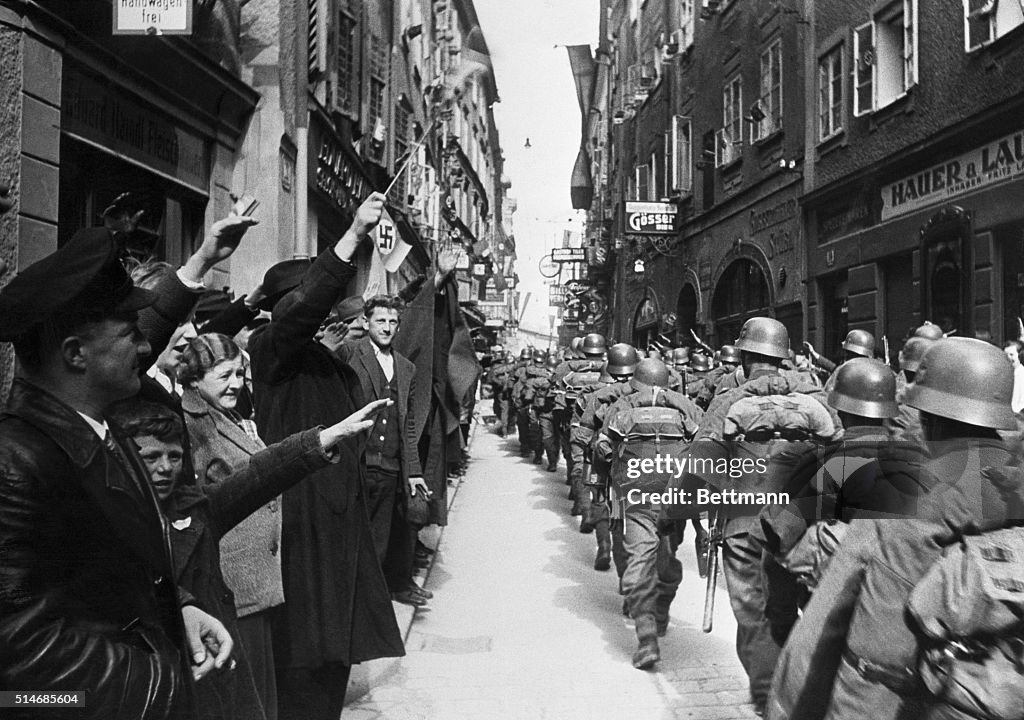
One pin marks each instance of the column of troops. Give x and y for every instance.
(863, 517)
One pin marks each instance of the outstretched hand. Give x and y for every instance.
(359, 421)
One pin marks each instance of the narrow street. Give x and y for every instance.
(521, 626)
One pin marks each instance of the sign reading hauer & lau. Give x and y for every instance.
(152, 17)
(650, 217)
(998, 161)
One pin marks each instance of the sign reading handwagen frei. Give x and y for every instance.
(999, 161)
(152, 17)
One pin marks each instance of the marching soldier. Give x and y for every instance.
(570, 375)
(858, 343)
(544, 406)
(530, 392)
(622, 362)
(696, 379)
(497, 377)
(767, 414)
(906, 425)
(648, 423)
(866, 474)
(520, 412)
(882, 621)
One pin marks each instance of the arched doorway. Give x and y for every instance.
(645, 322)
(741, 293)
(686, 315)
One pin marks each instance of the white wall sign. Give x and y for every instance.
(152, 17)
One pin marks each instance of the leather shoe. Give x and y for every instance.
(408, 597)
(422, 592)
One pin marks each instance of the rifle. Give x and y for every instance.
(885, 344)
(715, 533)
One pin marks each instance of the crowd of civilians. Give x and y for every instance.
(207, 506)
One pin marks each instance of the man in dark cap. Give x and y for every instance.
(88, 600)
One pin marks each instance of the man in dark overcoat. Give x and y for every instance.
(337, 609)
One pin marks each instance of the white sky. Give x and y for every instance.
(538, 101)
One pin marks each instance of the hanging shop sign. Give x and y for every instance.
(565, 255)
(556, 295)
(650, 218)
(997, 162)
(152, 17)
(105, 116)
(647, 314)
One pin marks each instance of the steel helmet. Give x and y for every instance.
(653, 352)
(700, 362)
(731, 354)
(524, 354)
(594, 344)
(864, 387)
(681, 356)
(860, 342)
(553, 362)
(650, 371)
(913, 351)
(539, 356)
(966, 380)
(764, 336)
(623, 358)
(929, 331)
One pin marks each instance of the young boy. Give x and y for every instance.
(198, 518)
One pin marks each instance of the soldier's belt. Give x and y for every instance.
(789, 435)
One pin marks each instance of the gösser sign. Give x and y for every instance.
(650, 217)
(152, 17)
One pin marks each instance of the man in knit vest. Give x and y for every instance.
(393, 473)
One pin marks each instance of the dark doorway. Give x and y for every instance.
(741, 293)
(947, 257)
(833, 292)
(686, 315)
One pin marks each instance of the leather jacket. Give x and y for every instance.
(87, 595)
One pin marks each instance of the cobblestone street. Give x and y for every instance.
(521, 626)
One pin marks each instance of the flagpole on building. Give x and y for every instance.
(412, 154)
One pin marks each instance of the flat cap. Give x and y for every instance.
(86, 275)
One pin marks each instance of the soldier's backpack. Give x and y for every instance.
(577, 383)
(970, 606)
(647, 432)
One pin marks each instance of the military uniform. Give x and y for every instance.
(648, 422)
(766, 414)
(564, 382)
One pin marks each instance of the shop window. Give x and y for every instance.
(886, 50)
(770, 100)
(730, 138)
(985, 21)
(830, 93)
(682, 160)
